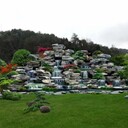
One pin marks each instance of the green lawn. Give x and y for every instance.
(68, 111)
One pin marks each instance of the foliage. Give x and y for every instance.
(5, 83)
(47, 67)
(126, 59)
(98, 76)
(35, 104)
(22, 88)
(11, 73)
(11, 41)
(99, 70)
(49, 89)
(97, 52)
(118, 60)
(77, 70)
(2, 63)
(79, 55)
(21, 57)
(124, 73)
(11, 95)
(75, 39)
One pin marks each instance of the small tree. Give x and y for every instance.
(35, 104)
(21, 57)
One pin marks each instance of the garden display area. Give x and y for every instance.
(63, 88)
(67, 111)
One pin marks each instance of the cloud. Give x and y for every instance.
(116, 35)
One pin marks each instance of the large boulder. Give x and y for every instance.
(44, 109)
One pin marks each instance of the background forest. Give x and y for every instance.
(11, 41)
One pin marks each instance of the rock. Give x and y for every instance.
(126, 96)
(64, 92)
(44, 109)
(74, 91)
(0, 95)
(115, 92)
(57, 93)
(46, 81)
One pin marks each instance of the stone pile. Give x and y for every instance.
(63, 68)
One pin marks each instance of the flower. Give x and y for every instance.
(69, 66)
(41, 49)
(7, 68)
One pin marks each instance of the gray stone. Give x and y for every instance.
(44, 109)
(126, 97)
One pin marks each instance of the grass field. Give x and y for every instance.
(68, 111)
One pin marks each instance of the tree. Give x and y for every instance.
(21, 57)
(75, 39)
(118, 60)
(11, 41)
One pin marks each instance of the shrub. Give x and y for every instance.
(11, 95)
(77, 71)
(22, 88)
(47, 67)
(2, 62)
(12, 73)
(36, 103)
(4, 83)
(49, 89)
(21, 57)
(98, 76)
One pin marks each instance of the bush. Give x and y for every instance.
(22, 88)
(11, 95)
(2, 62)
(77, 71)
(21, 57)
(49, 89)
(12, 73)
(98, 76)
(4, 83)
(47, 67)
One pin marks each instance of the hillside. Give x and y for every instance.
(11, 41)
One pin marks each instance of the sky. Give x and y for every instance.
(104, 22)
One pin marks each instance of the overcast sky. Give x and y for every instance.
(102, 21)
